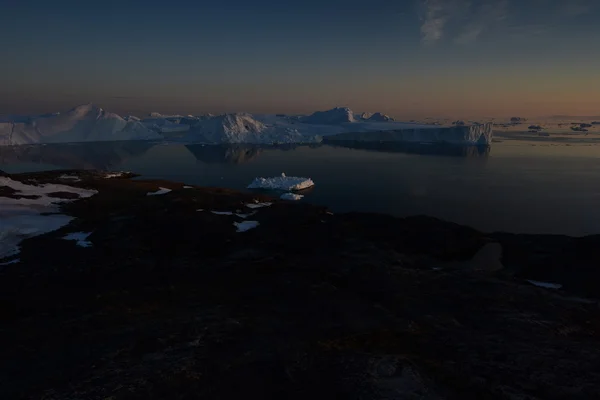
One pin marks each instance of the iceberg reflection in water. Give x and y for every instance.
(416, 148)
(97, 155)
(224, 154)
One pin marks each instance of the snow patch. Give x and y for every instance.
(245, 225)
(80, 238)
(18, 260)
(291, 196)
(73, 178)
(161, 190)
(244, 216)
(114, 175)
(546, 285)
(281, 183)
(258, 205)
(222, 212)
(188, 187)
(22, 218)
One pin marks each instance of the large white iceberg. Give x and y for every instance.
(86, 123)
(89, 123)
(282, 182)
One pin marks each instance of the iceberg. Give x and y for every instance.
(379, 117)
(89, 123)
(480, 134)
(164, 124)
(338, 115)
(282, 182)
(86, 123)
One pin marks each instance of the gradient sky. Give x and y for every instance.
(410, 58)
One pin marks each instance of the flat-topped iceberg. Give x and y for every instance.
(287, 183)
(480, 135)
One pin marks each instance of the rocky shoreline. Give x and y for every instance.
(172, 302)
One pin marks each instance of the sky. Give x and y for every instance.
(413, 58)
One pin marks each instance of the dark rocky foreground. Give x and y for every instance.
(172, 303)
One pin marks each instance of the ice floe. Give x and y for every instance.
(282, 182)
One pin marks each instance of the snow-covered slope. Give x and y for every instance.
(246, 128)
(163, 125)
(86, 123)
(379, 117)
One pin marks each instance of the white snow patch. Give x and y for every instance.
(245, 225)
(161, 190)
(258, 205)
(21, 218)
(114, 175)
(546, 285)
(80, 238)
(244, 216)
(73, 178)
(18, 260)
(291, 196)
(200, 209)
(282, 183)
(222, 212)
(188, 187)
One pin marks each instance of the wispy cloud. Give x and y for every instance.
(472, 17)
(436, 15)
(576, 8)
(486, 16)
(466, 21)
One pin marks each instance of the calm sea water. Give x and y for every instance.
(515, 186)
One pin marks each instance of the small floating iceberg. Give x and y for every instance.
(282, 183)
(291, 196)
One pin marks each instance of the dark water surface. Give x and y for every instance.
(515, 186)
